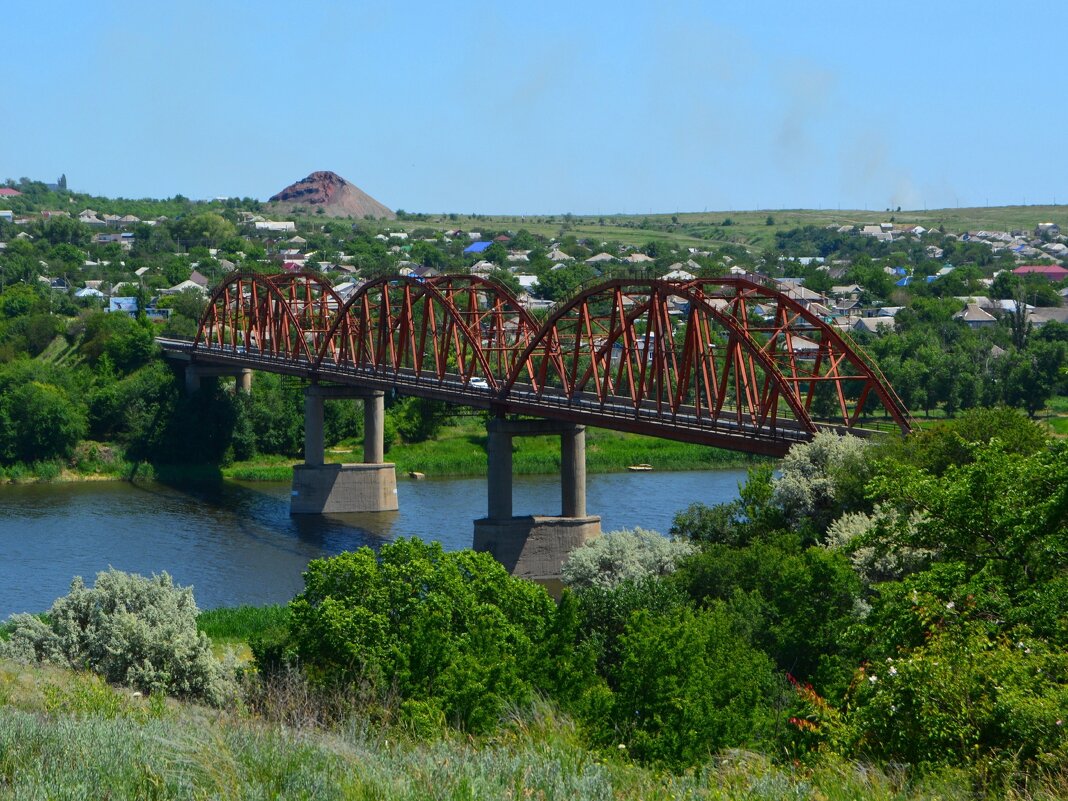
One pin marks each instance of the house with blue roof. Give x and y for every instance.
(478, 247)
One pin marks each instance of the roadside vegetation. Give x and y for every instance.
(876, 620)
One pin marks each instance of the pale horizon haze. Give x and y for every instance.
(551, 107)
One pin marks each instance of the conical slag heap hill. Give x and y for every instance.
(334, 195)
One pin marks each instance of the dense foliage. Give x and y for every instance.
(903, 602)
(925, 625)
(872, 601)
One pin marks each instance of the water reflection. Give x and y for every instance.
(236, 542)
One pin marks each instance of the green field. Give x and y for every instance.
(748, 229)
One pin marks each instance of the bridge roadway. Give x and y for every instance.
(726, 431)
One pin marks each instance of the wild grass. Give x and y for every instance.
(65, 735)
(241, 622)
(69, 735)
(1058, 404)
(232, 629)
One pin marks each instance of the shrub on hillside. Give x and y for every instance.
(965, 696)
(624, 555)
(39, 421)
(605, 611)
(452, 635)
(688, 685)
(794, 601)
(132, 630)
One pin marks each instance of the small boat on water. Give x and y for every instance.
(640, 468)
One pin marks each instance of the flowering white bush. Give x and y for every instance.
(621, 555)
(811, 474)
(874, 564)
(132, 630)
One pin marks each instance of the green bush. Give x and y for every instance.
(751, 516)
(965, 697)
(605, 611)
(131, 630)
(795, 602)
(688, 686)
(39, 421)
(450, 630)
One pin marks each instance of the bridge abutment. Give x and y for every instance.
(321, 488)
(535, 546)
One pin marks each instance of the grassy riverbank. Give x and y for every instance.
(457, 450)
(69, 735)
(460, 450)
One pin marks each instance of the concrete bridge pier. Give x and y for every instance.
(196, 373)
(535, 547)
(320, 488)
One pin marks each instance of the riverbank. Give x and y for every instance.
(458, 450)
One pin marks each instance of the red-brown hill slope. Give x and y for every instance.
(334, 195)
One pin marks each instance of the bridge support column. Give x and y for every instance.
(321, 488)
(196, 373)
(192, 379)
(535, 547)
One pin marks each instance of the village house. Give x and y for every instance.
(600, 258)
(1050, 272)
(975, 317)
(276, 226)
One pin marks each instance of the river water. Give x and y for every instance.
(236, 543)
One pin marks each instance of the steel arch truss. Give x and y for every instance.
(447, 328)
(724, 353)
(728, 360)
(281, 315)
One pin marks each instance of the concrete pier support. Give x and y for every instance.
(374, 427)
(196, 373)
(535, 547)
(321, 488)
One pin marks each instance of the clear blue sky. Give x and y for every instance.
(544, 107)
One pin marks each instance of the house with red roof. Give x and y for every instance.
(7, 191)
(1049, 271)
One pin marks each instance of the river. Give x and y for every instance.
(236, 543)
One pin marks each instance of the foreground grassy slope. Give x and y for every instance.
(66, 735)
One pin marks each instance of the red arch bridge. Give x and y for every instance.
(730, 362)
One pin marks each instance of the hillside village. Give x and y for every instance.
(122, 252)
(873, 281)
